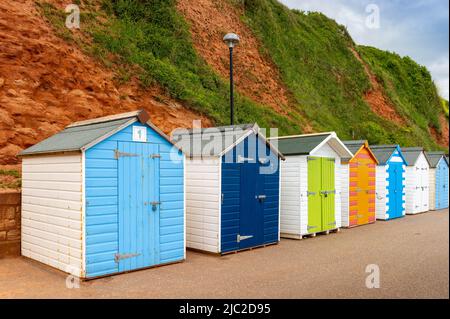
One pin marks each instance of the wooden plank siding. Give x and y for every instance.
(52, 218)
(102, 203)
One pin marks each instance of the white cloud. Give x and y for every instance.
(440, 71)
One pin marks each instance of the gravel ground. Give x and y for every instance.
(412, 254)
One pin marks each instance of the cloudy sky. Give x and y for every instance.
(417, 28)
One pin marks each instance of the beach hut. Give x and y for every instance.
(438, 180)
(232, 188)
(417, 180)
(358, 185)
(390, 182)
(104, 196)
(311, 184)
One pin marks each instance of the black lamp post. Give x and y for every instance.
(231, 39)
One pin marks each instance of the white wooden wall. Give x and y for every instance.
(417, 186)
(432, 193)
(381, 192)
(203, 189)
(345, 195)
(290, 196)
(52, 211)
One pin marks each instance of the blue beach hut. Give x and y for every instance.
(104, 196)
(438, 180)
(390, 182)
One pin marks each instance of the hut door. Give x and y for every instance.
(138, 180)
(363, 193)
(252, 197)
(395, 190)
(328, 194)
(314, 196)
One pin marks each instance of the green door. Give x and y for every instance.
(328, 194)
(314, 197)
(321, 194)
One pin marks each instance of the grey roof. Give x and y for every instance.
(300, 145)
(354, 146)
(411, 154)
(74, 138)
(79, 135)
(434, 158)
(383, 152)
(212, 141)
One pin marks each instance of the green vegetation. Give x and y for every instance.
(314, 56)
(150, 39)
(10, 179)
(409, 86)
(445, 106)
(155, 37)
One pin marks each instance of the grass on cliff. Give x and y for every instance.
(328, 82)
(10, 179)
(150, 39)
(155, 37)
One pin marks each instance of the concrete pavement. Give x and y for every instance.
(412, 254)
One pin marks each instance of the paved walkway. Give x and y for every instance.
(412, 254)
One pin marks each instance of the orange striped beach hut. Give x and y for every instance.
(358, 185)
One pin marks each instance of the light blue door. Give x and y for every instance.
(138, 205)
(442, 185)
(395, 190)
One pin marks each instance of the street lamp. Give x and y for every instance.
(231, 39)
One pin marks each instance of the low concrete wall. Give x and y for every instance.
(10, 213)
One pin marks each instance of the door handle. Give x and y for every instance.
(261, 198)
(154, 204)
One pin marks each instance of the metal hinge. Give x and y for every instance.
(155, 156)
(241, 238)
(118, 154)
(311, 227)
(311, 193)
(119, 257)
(312, 159)
(222, 198)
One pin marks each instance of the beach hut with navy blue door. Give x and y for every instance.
(104, 196)
(232, 188)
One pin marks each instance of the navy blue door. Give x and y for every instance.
(251, 221)
(244, 199)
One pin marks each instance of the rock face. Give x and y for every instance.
(45, 84)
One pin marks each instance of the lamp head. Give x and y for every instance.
(231, 39)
